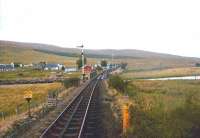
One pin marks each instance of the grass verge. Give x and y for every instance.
(163, 108)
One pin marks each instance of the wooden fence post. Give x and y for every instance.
(17, 110)
(2, 115)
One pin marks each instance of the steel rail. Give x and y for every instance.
(63, 131)
(86, 113)
(69, 105)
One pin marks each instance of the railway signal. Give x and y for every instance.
(28, 97)
(83, 64)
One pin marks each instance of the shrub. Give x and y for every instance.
(53, 93)
(118, 83)
(71, 82)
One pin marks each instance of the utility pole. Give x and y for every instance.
(112, 59)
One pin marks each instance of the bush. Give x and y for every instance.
(118, 83)
(53, 93)
(71, 82)
(124, 65)
(104, 63)
(197, 64)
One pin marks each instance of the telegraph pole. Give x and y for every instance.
(112, 59)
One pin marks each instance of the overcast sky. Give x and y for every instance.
(168, 26)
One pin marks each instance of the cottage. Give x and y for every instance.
(70, 69)
(7, 67)
(53, 67)
(28, 65)
(88, 70)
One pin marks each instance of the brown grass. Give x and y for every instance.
(12, 96)
(187, 71)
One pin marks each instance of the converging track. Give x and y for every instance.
(80, 118)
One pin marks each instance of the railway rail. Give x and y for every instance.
(80, 118)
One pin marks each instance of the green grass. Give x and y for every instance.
(24, 74)
(33, 74)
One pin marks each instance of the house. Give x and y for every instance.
(70, 69)
(53, 67)
(28, 65)
(38, 66)
(88, 70)
(110, 66)
(7, 67)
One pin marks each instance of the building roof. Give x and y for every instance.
(51, 65)
(6, 66)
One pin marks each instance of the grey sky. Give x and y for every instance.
(170, 26)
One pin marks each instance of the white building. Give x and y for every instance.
(53, 67)
(7, 67)
(70, 69)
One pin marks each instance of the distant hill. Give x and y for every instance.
(15, 52)
(137, 59)
(73, 52)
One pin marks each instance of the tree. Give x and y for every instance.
(98, 68)
(42, 65)
(103, 63)
(17, 65)
(197, 64)
(79, 61)
(123, 65)
(71, 82)
(63, 68)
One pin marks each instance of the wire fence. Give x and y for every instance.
(22, 126)
(37, 111)
(19, 109)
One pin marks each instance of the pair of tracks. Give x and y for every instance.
(80, 118)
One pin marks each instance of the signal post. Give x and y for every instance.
(28, 97)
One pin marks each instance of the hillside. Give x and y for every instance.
(10, 54)
(137, 59)
(72, 52)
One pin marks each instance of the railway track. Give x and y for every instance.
(80, 118)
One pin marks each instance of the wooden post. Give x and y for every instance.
(2, 115)
(17, 110)
(29, 108)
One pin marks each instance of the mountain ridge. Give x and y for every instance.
(104, 52)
